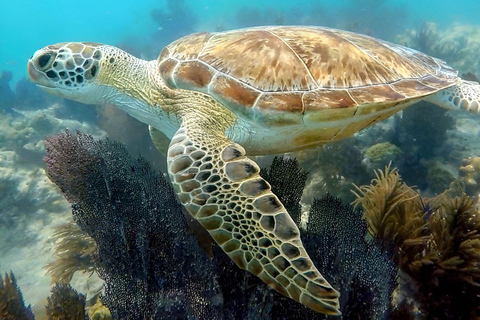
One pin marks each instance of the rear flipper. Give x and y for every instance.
(465, 95)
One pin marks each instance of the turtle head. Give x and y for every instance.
(100, 74)
(90, 73)
(70, 70)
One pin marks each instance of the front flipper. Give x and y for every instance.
(222, 189)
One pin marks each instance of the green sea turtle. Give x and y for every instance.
(217, 97)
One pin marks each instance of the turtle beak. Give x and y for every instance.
(37, 77)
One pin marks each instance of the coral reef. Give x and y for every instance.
(152, 265)
(381, 154)
(469, 174)
(98, 311)
(12, 306)
(421, 133)
(65, 304)
(436, 242)
(425, 127)
(438, 178)
(74, 251)
(333, 168)
(119, 126)
(30, 205)
(29, 97)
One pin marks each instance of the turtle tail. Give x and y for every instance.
(465, 95)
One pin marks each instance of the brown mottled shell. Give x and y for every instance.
(289, 75)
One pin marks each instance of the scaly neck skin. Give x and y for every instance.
(127, 77)
(135, 86)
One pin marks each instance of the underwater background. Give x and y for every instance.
(43, 244)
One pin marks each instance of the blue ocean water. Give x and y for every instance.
(30, 205)
(26, 25)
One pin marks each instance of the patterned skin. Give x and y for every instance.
(220, 96)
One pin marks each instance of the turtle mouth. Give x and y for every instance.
(38, 77)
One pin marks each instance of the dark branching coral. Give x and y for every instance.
(12, 306)
(288, 181)
(362, 271)
(436, 242)
(152, 265)
(65, 304)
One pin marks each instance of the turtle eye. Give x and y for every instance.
(44, 60)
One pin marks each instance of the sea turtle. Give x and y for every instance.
(217, 97)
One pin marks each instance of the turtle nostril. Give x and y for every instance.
(44, 59)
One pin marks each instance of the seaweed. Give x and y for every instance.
(74, 251)
(436, 243)
(12, 306)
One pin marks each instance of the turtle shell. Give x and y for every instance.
(281, 76)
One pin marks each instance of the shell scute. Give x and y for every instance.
(289, 102)
(166, 68)
(327, 99)
(411, 88)
(234, 92)
(188, 48)
(381, 94)
(193, 75)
